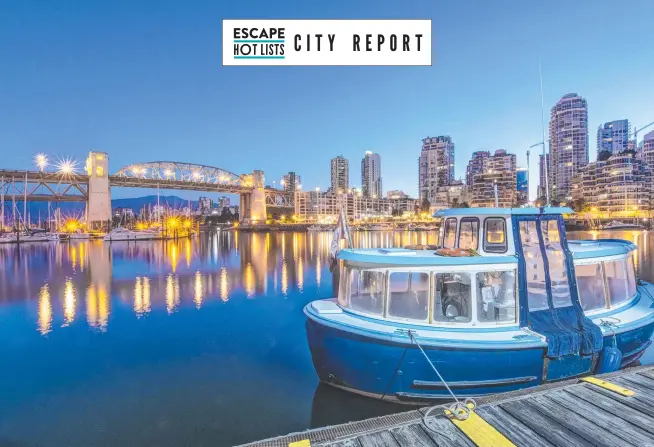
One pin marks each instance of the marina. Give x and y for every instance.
(151, 342)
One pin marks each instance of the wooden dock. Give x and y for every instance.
(569, 413)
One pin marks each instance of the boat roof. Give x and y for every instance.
(502, 211)
(404, 256)
(587, 250)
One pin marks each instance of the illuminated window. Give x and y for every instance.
(495, 235)
(99, 157)
(99, 171)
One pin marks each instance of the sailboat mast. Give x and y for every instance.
(25, 203)
(2, 205)
(542, 124)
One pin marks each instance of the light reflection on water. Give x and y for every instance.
(175, 343)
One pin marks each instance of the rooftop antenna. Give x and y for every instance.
(542, 123)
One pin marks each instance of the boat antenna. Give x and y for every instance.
(542, 123)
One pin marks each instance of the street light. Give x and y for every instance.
(41, 160)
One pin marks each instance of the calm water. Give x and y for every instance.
(195, 343)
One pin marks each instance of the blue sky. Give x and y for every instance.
(143, 81)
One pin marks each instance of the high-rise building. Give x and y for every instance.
(620, 185)
(204, 205)
(340, 174)
(223, 202)
(648, 149)
(522, 186)
(475, 165)
(613, 137)
(496, 185)
(435, 166)
(371, 181)
(291, 182)
(568, 143)
(543, 171)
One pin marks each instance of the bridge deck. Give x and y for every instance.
(570, 413)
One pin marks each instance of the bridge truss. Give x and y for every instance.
(184, 176)
(43, 186)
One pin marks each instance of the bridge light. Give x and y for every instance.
(196, 175)
(41, 160)
(168, 173)
(66, 167)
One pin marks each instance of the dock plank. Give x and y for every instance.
(444, 433)
(647, 373)
(382, 438)
(594, 434)
(642, 392)
(639, 380)
(607, 420)
(347, 443)
(412, 436)
(511, 428)
(556, 434)
(563, 414)
(616, 407)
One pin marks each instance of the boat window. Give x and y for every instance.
(631, 277)
(556, 260)
(409, 295)
(616, 278)
(534, 269)
(449, 233)
(367, 291)
(496, 297)
(590, 284)
(469, 233)
(495, 235)
(342, 285)
(453, 301)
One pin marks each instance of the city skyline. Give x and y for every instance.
(166, 97)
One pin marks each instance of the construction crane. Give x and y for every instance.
(635, 134)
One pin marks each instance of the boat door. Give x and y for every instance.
(549, 303)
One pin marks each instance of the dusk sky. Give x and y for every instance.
(143, 81)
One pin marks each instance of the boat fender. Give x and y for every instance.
(611, 357)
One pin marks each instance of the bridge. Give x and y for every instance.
(94, 185)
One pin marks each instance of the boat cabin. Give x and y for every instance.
(421, 287)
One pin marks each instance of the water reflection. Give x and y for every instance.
(69, 302)
(217, 268)
(45, 311)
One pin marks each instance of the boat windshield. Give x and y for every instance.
(607, 284)
(422, 296)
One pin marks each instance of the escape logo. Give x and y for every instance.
(326, 42)
(255, 43)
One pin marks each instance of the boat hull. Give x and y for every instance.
(398, 371)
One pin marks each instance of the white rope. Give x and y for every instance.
(459, 410)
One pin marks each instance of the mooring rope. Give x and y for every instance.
(459, 409)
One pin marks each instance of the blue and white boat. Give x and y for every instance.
(523, 308)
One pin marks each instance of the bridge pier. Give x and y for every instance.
(98, 205)
(253, 204)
